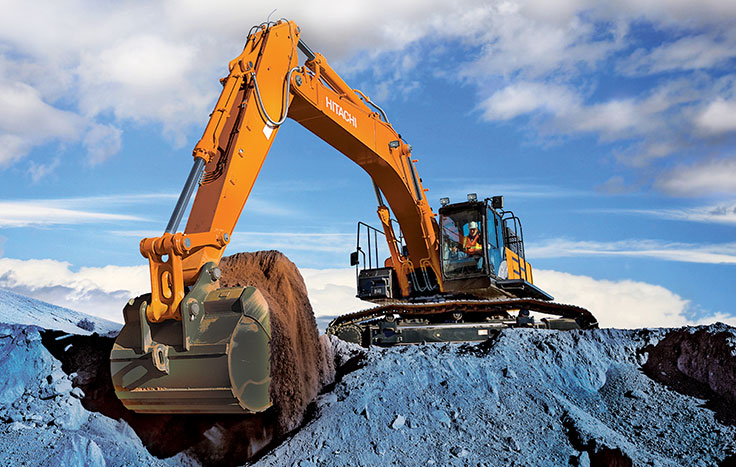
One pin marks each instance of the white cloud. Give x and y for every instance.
(614, 185)
(718, 117)
(36, 213)
(104, 291)
(517, 39)
(553, 81)
(715, 318)
(623, 303)
(723, 213)
(724, 253)
(27, 121)
(115, 199)
(523, 98)
(715, 176)
(40, 171)
(99, 292)
(687, 53)
(459, 188)
(25, 113)
(144, 78)
(102, 142)
(332, 291)
(611, 118)
(563, 110)
(278, 207)
(158, 62)
(136, 233)
(713, 13)
(291, 241)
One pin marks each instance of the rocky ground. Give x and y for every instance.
(524, 397)
(43, 419)
(531, 397)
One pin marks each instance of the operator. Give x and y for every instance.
(472, 244)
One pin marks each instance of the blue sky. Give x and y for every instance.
(610, 130)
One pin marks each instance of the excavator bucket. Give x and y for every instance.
(216, 360)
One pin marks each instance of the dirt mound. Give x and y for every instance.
(301, 363)
(525, 397)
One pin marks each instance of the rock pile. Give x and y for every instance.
(528, 397)
(43, 419)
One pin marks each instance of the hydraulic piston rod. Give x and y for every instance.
(194, 175)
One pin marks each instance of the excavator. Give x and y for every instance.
(191, 346)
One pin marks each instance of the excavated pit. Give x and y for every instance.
(301, 364)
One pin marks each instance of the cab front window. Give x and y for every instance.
(463, 244)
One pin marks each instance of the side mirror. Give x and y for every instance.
(497, 202)
(354, 259)
(404, 251)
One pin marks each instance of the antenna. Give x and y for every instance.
(268, 20)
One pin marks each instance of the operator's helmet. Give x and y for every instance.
(472, 225)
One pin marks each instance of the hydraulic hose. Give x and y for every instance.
(271, 121)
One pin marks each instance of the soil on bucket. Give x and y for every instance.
(300, 364)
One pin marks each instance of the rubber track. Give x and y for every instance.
(414, 310)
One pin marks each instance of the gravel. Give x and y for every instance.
(526, 397)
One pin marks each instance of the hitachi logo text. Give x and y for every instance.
(335, 107)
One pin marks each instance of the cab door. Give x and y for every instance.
(494, 229)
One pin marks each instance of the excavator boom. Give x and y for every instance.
(263, 88)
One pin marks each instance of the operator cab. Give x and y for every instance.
(482, 250)
(470, 240)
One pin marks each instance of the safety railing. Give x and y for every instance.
(371, 246)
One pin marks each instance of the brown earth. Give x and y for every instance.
(301, 363)
(700, 362)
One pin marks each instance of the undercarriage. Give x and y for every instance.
(403, 323)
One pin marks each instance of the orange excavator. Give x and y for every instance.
(192, 347)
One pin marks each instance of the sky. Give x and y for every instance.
(609, 127)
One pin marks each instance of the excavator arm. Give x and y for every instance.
(265, 85)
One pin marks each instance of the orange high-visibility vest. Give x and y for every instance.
(472, 244)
